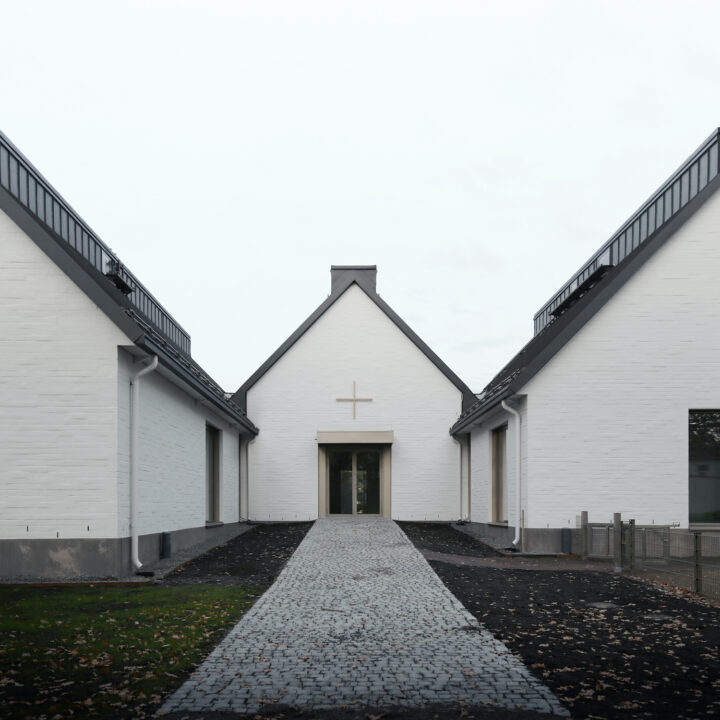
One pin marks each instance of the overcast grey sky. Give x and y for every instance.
(477, 152)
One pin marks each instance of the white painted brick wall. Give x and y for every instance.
(230, 473)
(354, 340)
(64, 416)
(58, 415)
(171, 457)
(609, 413)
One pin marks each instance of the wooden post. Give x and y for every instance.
(617, 542)
(698, 563)
(631, 529)
(522, 531)
(584, 535)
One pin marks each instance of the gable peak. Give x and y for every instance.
(341, 276)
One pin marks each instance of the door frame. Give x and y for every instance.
(324, 477)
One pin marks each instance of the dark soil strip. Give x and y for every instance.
(254, 558)
(643, 653)
(439, 537)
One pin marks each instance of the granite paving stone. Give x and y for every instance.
(358, 618)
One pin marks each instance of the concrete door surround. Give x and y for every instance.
(354, 441)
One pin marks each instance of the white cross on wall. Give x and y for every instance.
(354, 399)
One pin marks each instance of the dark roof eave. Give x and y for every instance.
(464, 424)
(151, 346)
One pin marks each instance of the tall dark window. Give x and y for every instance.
(499, 475)
(704, 468)
(212, 474)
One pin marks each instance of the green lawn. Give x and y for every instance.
(106, 651)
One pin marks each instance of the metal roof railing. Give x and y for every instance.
(26, 184)
(692, 177)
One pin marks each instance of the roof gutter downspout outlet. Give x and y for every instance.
(134, 414)
(518, 471)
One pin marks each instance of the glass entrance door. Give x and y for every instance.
(354, 482)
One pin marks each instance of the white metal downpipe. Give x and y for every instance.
(460, 452)
(518, 471)
(134, 406)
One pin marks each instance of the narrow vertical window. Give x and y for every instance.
(704, 470)
(212, 474)
(499, 475)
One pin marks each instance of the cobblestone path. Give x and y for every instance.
(359, 618)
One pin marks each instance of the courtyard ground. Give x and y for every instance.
(608, 646)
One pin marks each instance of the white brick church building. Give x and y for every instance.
(115, 445)
(354, 410)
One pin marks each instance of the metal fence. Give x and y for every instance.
(681, 558)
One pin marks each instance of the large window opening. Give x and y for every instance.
(704, 471)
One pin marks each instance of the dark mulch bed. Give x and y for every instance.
(254, 558)
(651, 654)
(439, 537)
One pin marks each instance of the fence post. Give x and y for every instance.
(698, 563)
(584, 544)
(631, 529)
(617, 541)
(666, 544)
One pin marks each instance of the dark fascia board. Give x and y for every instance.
(544, 346)
(154, 346)
(468, 398)
(466, 422)
(105, 296)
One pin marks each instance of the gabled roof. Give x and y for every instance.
(344, 277)
(609, 269)
(51, 223)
